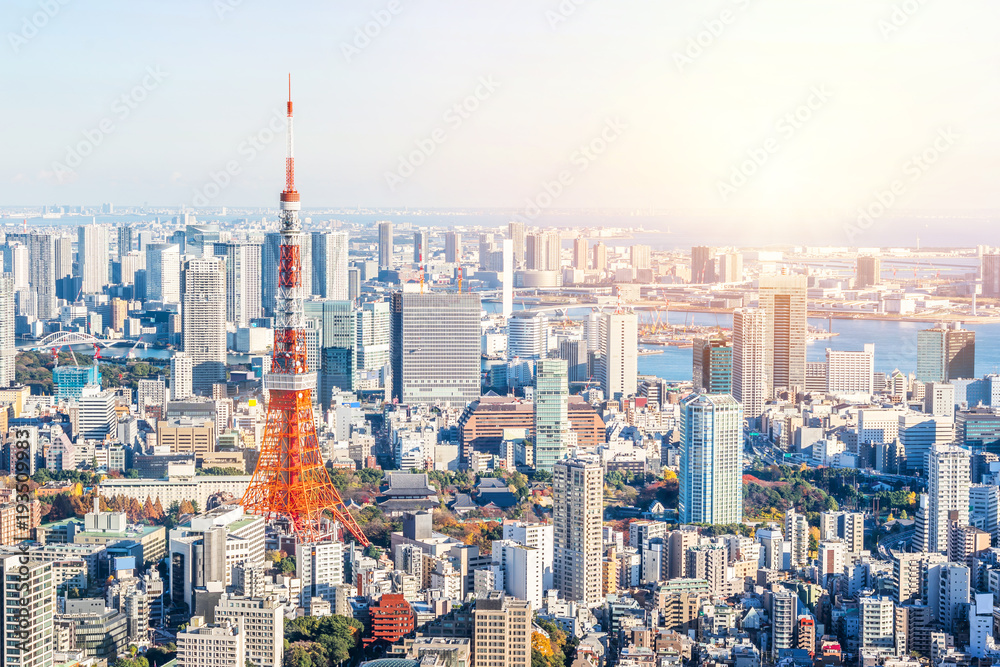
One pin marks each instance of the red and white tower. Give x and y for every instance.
(291, 481)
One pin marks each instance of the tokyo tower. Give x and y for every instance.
(291, 481)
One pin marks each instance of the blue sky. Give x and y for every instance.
(686, 120)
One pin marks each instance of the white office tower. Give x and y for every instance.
(592, 331)
(948, 491)
(263, 622)
(385, 242)
(163, 272)
(851, 373)
(93, 257)
(984, 508)
(329, 264)
(948, 590)
(876, 616)
(452, 247)
(243, 281)
(508, 277)
(981, 625)
(203, 312)
(939, 399)
(750, 386)
(784, 615)
(181, 366)
(731, 268)
(797, 530)
(919, 432)
(527, 335)
(98, 419)
(619, 353)
(320, 566)
(538, 536)
(711, 468)
(27, 608)
(771, 549)
(578, 503)
(848, 526)
(201, 645)
(783, 300)
(8, 353)
(522, 570)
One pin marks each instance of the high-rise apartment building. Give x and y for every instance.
(851, 372)
(712, 361)
(8, 353)
(435, 348)
(243, 281)
(783, 300)
(702, 265)
(374, 335)
(847, 526)
(263, 623)
(203, 312)
(948, 492)
(320, 567)
(539, 536)
(551, 413)
(44, 266)
(990, 268)
(578, 505)
(527, 335)
(181, 376)
(619, 353)
(640, 257)
(600, 252)
(452, 247)
(876, 616)
(520, 568)
(797, 531)
(750, 386)
(501, 631)
(711, 472)
(98, 419)
(124, 245)
(329, 265)
(92, 256)
(784, 614)
(163, 272)
(27, 609)
(868, 272)
(421, 248)
(62, 256)
(946, 352)
(580, 251)
(515, 232)
(730, 268)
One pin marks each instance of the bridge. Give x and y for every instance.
(71, 339)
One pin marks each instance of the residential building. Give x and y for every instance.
(712, 359)
(946, 352)
(203, 308)
(783, 300)
(578, 502)
(711, 460)
(750, 379)
(552, 427)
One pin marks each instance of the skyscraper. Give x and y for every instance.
(435, 348)
(730, 268)
(783, 300)
(553, 250)
(329, 265)
(124, 240)
(600, 256)
(163, 272)
(92, 255)
(27, 610)
(42, 268)
(243, 281)
(619, 353)
(702, 265)
(711, 467)
(515, 232)
(535, 252)
(385, 245)
(578, 487)
(486, 247)
(527, 335)
(338, 364)
(452, 247)
(203, 312)
(420, 247)
(181, 366)
(712, 362)
(750, 386)
(375, 337)
(8, 352)
(868, 271)
(551, 413)
(948, 491)
(946, 352)
(580, 250)
(990, 268)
